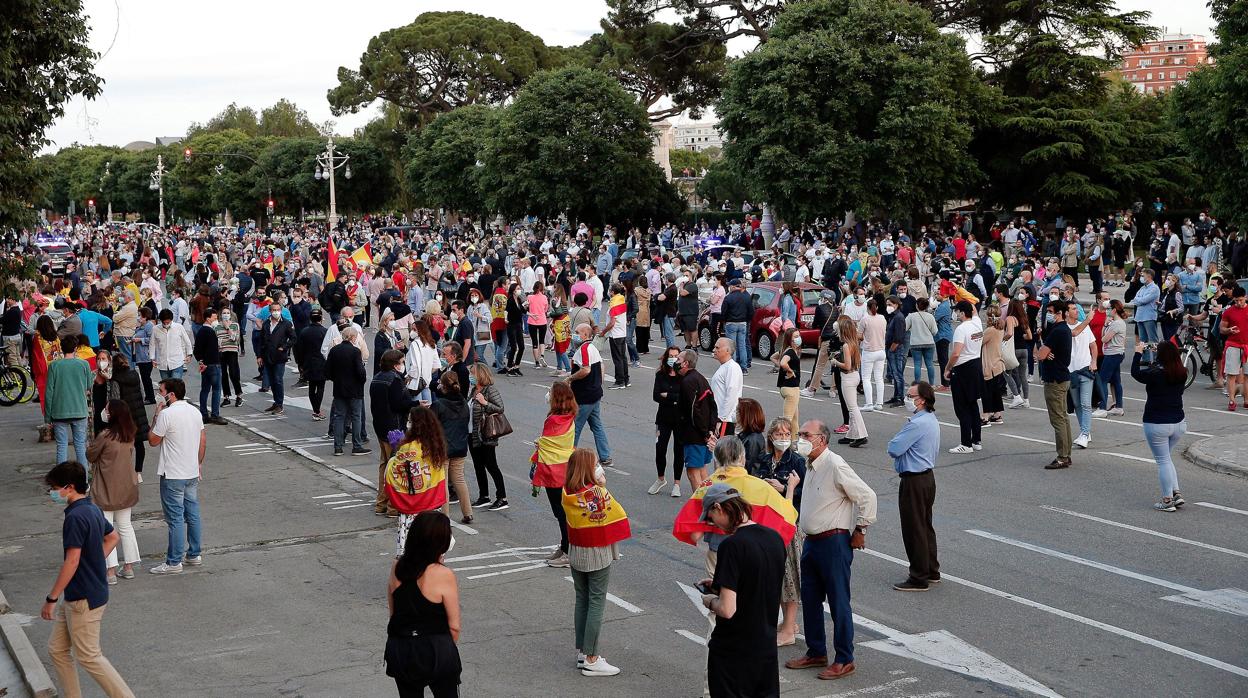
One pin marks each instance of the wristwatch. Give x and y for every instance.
(49, 599)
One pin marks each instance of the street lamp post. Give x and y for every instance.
(326, 163)
(107, 173)
(158, 184)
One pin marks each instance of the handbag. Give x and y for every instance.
(494, 426)
(1007, 354)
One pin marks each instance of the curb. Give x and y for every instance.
(1214, 461)
(34, 675)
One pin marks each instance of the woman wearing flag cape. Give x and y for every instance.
(550, 461)
(416, 473)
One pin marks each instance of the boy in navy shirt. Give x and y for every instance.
(88, 539)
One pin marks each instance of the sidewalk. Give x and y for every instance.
(1225, 454)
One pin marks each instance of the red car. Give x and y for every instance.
(766, 297)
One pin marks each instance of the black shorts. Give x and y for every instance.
(687, 323)
(428, 660)
(537, 333)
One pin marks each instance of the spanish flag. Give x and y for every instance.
(618, 307)
(412, 484)
(771, 509)
(554, 448)
(363, 256)
(561, 327)
(595, 518)
(331, 260)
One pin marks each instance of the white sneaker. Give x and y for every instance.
(879, 407)
(1083, 440)
(561, 561)
(580, 660)
(599, 667)
(140, 475)
(977, 446)
(676, 490)
(807, 392)
(166, 568)
(1017, 402)
(194, 561)
(866, 408)
(1099, 414)
(1116, 412)
(657, 487)
(961, 449)
(1027, 404)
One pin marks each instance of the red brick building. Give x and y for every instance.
(1158, 66)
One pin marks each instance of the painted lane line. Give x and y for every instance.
(1113, 629)
(332, 496)
(1123, 455)
(890, 687)
(1219, 507)
(352, 506)
(1025, 438)
(689, 635)
(618, 601)
(510, 571)
(493, 566)
(1121, 422)
(1150, 532)
(504, 552)
(1186, 407)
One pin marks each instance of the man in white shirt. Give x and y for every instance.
(595, 303)
(528, 277)
(333, 336)
(178, 430)
(172, 346)
(965, 375)
(1082, 367)
(726, 386)
(837, 508)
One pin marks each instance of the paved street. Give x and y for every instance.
(1056, 583)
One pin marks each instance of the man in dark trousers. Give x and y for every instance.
(208, 354)
(913, 451)
(463, 332)
(277, 336)
(1054, 358)
(390, 403)
(345, 367)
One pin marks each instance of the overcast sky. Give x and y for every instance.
(166, 64)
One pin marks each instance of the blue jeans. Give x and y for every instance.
(1109, 375)
(668, 329)
(126, 348)
(180, 501)
(562, 362)
(501, 343)
(1162, 440)
(739, 333)
(1148, 334)
(633, 356)
(825, 576)
(210, 381)
(897, 372)
(592, 413)
(172, 373)
(1081, 389)
(255, 346)
(61, 429)
(275, 376)
(341, 409)
(927, 357)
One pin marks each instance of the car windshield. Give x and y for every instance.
(762, 296)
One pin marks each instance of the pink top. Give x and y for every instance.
(717, 299)
(584, 287)
(538, 304)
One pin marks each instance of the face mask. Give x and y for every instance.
(673, 361)
(472, 378)
(1048, 317)
(797, 340)
(782, 444)
(443, 363)
(1054, 296)
(57, 497)
(1104, 304)
(1191, 267)
(803, 447)
(1020, 296)
(902, 294)
(890, 309)
(910, 404)
(860, 299)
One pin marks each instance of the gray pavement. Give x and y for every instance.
(1057, 583)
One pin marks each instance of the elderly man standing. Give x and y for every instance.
(726, 386)
(125, 322)
(345, 367)
(837, 508)
(914, 451)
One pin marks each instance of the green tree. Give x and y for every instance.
(1211, 114)
(233, 117)
(851, 104)
(389, 132)
(441, 61)
(723, 183)
(656, 61)
(712, 20)
(443, 159)
(681, 159)
(292, 163)
(286, 120)
(574, 141)
(45, 60)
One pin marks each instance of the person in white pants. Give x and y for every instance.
(874, 359)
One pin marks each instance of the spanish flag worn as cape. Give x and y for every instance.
(595, 518)
(554, 448)
(771, 509)
(412, 484)
(618, 306)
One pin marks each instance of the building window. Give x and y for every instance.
(1149, 90)
(1174, 75)
(1149, 76)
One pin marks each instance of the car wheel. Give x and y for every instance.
(762, 345)
(705, 339)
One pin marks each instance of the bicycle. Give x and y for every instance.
(1190, 342)
(17, 385)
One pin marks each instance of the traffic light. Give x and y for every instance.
(186, 154)
(90, 203)
(270, 207)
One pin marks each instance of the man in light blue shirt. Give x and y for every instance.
(913, 451)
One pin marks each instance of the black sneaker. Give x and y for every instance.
(858, 443)
(499, 505)
(606, 462)
(238, 401)
(910, 585)
(361, 451)
(452, 499)
(338, 452)
(480, 502)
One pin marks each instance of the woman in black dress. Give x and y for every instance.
(424, 613)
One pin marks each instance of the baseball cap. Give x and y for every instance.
(717, 493)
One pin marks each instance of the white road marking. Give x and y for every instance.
(510, 571)
(1120, 422)
(493, 566)
(1150, 532)
(619, 602)
(1186, 407)
(503, 552)
(1115, 630)
(1025, 438)
(689, 635)
(1219, 507)
(881, 688)
(1123, 455)
(332, 496)
(246, 446)
(352, 506)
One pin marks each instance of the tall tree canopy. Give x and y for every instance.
(441, 61)
(709, 20)
(573, 141)
(443, 159)
(44, 61)
(282, 120)
(851, 104)
(1211, 114)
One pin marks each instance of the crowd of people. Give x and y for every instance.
(975, 314)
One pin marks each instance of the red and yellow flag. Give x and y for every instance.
(618, 305)
(331, 260)
(363, 255)
(595, 518)
(554, 448)
(771, 509)
(412, 484)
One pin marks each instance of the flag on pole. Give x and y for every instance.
(771, 509)
(363, 255)
(331, 261)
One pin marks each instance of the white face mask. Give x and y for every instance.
(1020, 296)
(1053, 296)
(104, 416)
(803, 447)
(910, 404)
(797, 340)
(782, 444)
(1104, 304)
